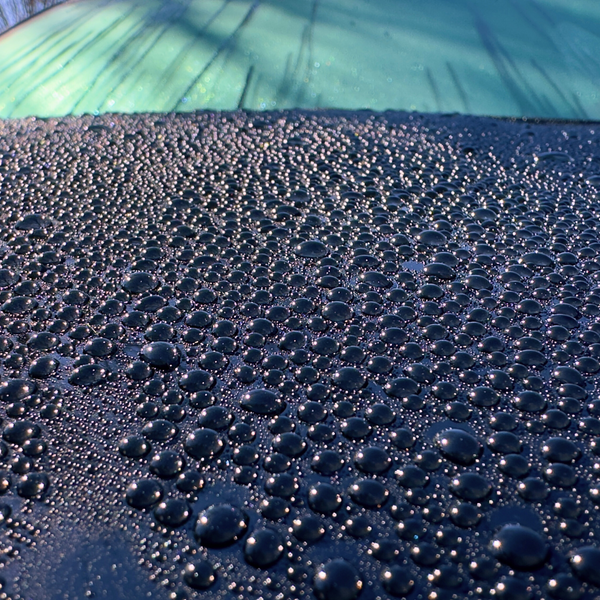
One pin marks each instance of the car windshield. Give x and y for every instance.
(511, 58)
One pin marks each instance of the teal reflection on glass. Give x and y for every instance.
(532, 58)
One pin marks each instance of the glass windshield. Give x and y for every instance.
(522, 58)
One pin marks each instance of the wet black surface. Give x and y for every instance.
(289, 355)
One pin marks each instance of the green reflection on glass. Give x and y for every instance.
(536, 58)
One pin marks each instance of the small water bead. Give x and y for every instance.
(414, 402)
(484, 397)
(245, 475)
(224, 345)
(33, 485)
(138, 283)
(5, 513)
(160, 430)
(572, 528)
(411, 529)
(429, 460)
(421, 373)
(353, 355)
(458, 411)
(245, 455)
(411, 476)
(199, 575)
(589, 426)
(311, 249)
(20, 431)
(567, 507)
(505, 442)
(87, 375)
(147, 410)
(356, 428)
(357, 526)
(263, 548)
(471, 487)
(394, 336)
(459, 446)
(308, 375)
(535, 427)
(373, 460)
(520, 547)
(215, 417)
(290, 444)
(484, 568)
(19, 305)
(212, 361)
(533, 382)
(308, 528)
(199, 319)
(327, 462)
(530, 401)
(379, 365)
(425, 554)
(282, 485)
(532, 489)
(150, 303)
(32, 447)
(144, 493)
(402, 438)
(16, 410)
(444, 390)
(380, 414)
(220, 525)
(323, 498)
(312, 412)
(321, 433)
(172, 512)
(43, 367)
(325, 346)
(172, 397)
(587, 365)
(432, 238)
(570, 406)
(555, 419)
(585, 562)
(337, 580)
(203, 444)
(99, 347)
(161, 355)
(560, 475)
(564, 587)
(43, 341)
(412, 351)
(511, 588)
(560, 450)
(499, 380)
(197, 380)
(189, 482)
(402, 387)
(274, 508)
(134, 446)
(281, 424)
(349, 379)
(262, 402)
(166, 464)
(337, 311)
(156, 387)
(565, 374)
